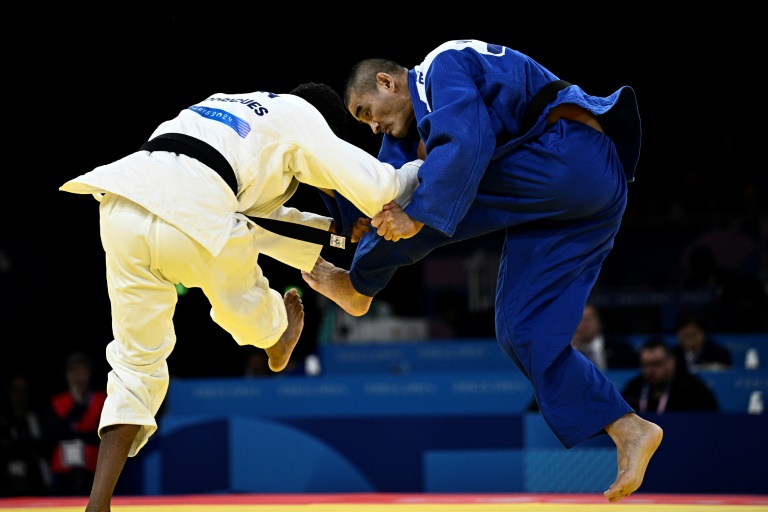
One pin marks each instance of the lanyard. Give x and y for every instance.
(662, 399)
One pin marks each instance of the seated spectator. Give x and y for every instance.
(662, 387)
(606, 352)
(72, 429)
(695, 349)
(23, 458)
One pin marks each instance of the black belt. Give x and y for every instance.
(197, 149)
(210, 156)
(542, 98)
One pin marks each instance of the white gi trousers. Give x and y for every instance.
(145, 258)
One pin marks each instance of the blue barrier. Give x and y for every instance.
(423, 394)
(351, 395)
(437, 453)
(436, 431)
(408, 357)
(478, 354)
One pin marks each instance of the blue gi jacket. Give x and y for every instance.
(469, 98)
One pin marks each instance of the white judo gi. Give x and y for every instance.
(167, 218)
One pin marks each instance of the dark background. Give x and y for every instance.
(96, 85)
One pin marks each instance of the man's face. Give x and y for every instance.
(691, 337)
(388, 110)
(656, 365)
(78, 376)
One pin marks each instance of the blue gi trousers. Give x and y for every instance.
(560, 198)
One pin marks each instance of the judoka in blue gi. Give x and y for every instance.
(508, 146)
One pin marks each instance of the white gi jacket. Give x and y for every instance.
(273, 143)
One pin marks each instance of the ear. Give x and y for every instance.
(385, 81)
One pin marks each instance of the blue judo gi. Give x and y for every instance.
(559, 191)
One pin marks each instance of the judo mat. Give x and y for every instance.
(377, 502)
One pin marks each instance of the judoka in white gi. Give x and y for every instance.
(166, 218)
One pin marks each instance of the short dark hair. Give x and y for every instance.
(654, 342)
(325, 99)
(362, 77)
(689, 316)
(76, 359)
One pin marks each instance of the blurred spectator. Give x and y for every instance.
(662, 387)
(606, 352)
(72, 426)
(695, 349)
(23, 459)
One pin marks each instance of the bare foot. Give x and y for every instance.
(636, 441)
(280, 353)
(334, 283)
